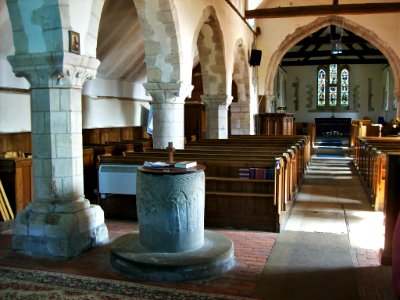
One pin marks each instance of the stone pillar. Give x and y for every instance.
(240, 118)
(60, 222)
(217, 115)
(168, 113)
(397, 99)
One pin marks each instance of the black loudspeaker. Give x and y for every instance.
(255, 57)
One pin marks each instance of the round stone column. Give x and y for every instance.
(216, 115)
(168, 112)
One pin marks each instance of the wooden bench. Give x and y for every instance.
(392, 207)
(378, 161)
(289, 155)
(370, 160)
(299, 148)
(261, 204)
(113, 134)
(224, 206)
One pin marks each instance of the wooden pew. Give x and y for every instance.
(377, 160)
(290, 175)
(262, 204)
(299, 148)
(370, 160)
(392, 206)
(262, 209)
(261, 151)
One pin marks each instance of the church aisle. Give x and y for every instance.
(329, 248)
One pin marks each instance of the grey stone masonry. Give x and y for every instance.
(217, 115)
(60, 222)
(397, 100)
(240, 118)
(168, 113)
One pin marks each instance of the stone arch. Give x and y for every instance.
(93, 28)
(240, 110)
(160, 28)
(37, 28)
(304, 31)
(241, 72)
(208, 39)
(46, 27)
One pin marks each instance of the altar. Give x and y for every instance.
(333, 127)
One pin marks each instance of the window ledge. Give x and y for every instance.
(330, 111)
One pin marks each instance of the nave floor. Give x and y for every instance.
(328, 250)
(330, 246)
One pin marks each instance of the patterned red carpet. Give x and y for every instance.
(91, 276)
(33, 284)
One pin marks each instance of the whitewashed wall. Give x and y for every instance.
(116, 98)
(306, 77)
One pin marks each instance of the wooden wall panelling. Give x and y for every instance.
(20, 141)
(16, 176)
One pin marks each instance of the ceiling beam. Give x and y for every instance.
(324, 53)
(327, 40)
(313, 10)
(334, 61)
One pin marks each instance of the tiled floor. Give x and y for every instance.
(252, 249)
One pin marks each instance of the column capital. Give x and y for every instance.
(168, 92)
(215, 101)
(54, 69)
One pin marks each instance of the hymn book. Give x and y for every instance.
(185, 164)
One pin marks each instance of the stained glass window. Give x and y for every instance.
(344, 88)
(321, 88)
(332, 96)
(333, 87)
(333, 74)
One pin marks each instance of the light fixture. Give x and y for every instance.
(336, 46)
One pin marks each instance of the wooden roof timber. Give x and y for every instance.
(338, 61)
(312, 10)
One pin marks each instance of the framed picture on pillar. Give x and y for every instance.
(74, 42)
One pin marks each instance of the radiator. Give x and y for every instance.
(117, 179)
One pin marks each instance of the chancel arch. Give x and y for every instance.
(304, 31)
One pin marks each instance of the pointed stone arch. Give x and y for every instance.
(93, 28)
(240, 110)
(208, 39)
(304, 31)
(37, 28)
(160, 28)
(241, 72)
